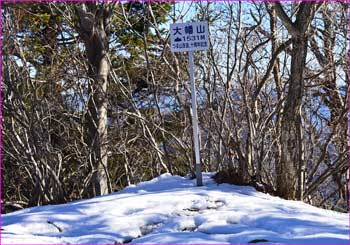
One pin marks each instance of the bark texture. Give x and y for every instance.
(291, 164)
(93, 30)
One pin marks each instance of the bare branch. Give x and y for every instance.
(286, 20)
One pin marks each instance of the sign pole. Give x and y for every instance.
(191, 36)
(195, 121)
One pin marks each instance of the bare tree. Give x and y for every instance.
(291, 165)
(94, 24)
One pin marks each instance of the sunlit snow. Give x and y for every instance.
(171, 209)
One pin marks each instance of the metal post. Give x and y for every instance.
(195, 122)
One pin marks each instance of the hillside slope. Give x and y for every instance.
(171, 209)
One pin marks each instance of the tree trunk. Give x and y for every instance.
(92, 31)
(291, 138)
(290, 167)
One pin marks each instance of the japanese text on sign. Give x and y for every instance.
(189, 36)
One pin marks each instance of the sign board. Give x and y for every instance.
(189, 36)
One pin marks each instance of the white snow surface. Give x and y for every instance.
(172, 209)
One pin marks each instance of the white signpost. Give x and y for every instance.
(191, 36)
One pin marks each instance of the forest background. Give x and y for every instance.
(93, 99)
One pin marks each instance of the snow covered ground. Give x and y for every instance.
(171, 209)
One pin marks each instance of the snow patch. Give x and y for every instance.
(172, 209)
